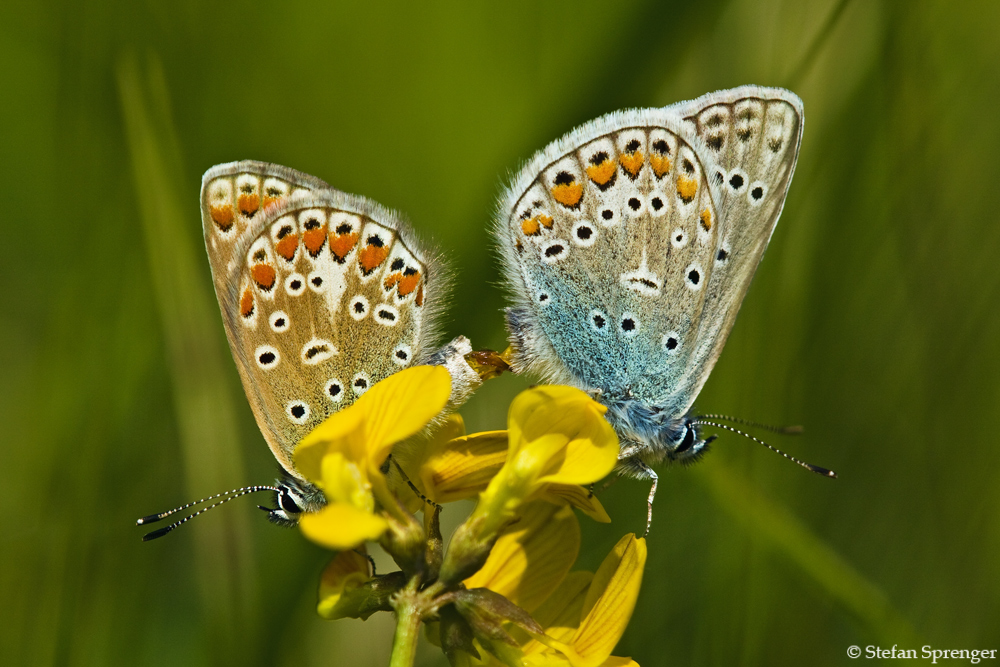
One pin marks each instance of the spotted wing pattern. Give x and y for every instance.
(323, 294)
(752, 137)
(609, 240)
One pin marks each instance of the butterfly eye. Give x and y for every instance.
(686, 441)
(287, 504)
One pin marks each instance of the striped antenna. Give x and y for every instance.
(783, 430)
(226, 496)
(807, 466)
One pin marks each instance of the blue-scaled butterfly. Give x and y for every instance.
(628, 245)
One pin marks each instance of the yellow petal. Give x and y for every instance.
(577, 496)
(344, 481)
(560, 433)
(461, 468)
(341, 431)
(345, 572)
(342, 526)
(610, 602)
(531, 557)
(402, 405)
(560, 614)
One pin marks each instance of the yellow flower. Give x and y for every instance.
(583, 614)
(345, 574)
(453, 466)
(557, 437)
(342, 456)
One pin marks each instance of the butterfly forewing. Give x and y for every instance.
(609, 238)
(323, 295)
(751, 138)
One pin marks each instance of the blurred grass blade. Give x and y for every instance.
(788, 535)
(196, 361)
(819, 40)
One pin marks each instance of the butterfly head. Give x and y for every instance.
(689, 446)
(292, 497)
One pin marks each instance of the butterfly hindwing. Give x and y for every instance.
(323, 294)
(608, 237)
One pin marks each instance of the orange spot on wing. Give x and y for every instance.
(568, 194)
(661, 164)
(287, 246)
(222, 216)
(686, 188)
(371, 257)
(545, 220)
(632, 162)
(530, 226)
(246, 303)
(249, 204)
(706, 219)
(603, 172)
(342, 244)
(263, 275)
(408, 283)
(391, 280)
(313, 240)
(420, 296)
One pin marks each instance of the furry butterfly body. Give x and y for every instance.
(628, 246)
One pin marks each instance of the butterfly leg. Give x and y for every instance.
(648, 473)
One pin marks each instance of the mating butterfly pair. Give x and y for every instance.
(627, 247)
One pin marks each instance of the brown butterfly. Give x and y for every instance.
(323, 294)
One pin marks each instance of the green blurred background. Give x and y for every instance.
(873, 320)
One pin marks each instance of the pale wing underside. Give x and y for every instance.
(752, 136)
(609, 240)
(323, 294)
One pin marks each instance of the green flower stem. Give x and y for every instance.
(404, 642)
(412, 606)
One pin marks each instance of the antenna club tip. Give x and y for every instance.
(822, 471)
(156, 533)
(148, 519)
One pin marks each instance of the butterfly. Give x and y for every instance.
(322, 294)
(628, 245)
